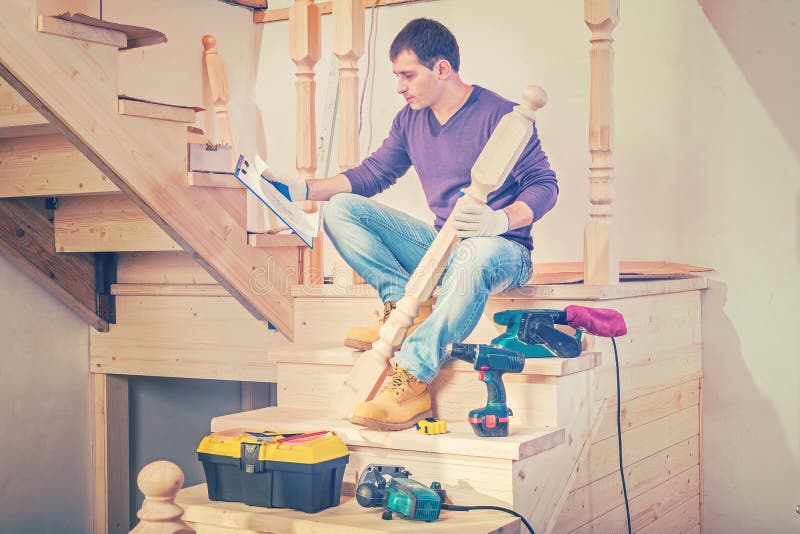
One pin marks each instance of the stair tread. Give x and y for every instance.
(459, 439)
(339, 355)
(138, 107)
(84, 27)
(347, 518)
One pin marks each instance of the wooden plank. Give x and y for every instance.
(347, 518)
(603, 495)
(169, 290)
(213, 179)
(173, 267)
(110, 430)
(151, 110)
(198, 337)
(275, 240)
(82, 32)
(107, 223)
(26, 240)
(638, 443)
(672, 506)
(15, 111)
(643, 410)
(326, 8)
(46, 166)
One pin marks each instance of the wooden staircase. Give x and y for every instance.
(187, 276)
(69, 78)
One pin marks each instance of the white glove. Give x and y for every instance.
(292, 188)
(478, 220)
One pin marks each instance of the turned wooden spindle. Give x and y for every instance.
(348, 45)
(218, 123)
(305, 49)
(490, 170)
(160, 482)
(600, 246)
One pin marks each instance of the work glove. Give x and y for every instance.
(478, 220)
(292, 188)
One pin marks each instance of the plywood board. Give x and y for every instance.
(174, 267)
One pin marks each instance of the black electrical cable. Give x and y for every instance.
(619, 438)
(455, 508)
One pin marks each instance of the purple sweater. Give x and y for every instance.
(443, 157)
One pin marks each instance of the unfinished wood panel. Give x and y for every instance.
(107, 223)
(197, 337)
(638, 443)
(151, 110)
(348, 518)
(206, 222)
(169, 290)
(26, 240)
(81, 32)
(643, 410)
(111, 474)
(605, 494)
(174, 267)
(213, 179)
(276, 240)
(651, 511)
(16, 113)
(47, 165)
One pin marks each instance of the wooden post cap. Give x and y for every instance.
(209, 42)
(534, 97)
(160, 479)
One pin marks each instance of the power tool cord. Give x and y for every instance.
(498, 508)
(619, 438)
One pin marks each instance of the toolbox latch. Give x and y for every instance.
(250, 461)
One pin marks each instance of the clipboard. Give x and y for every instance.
(305, 225)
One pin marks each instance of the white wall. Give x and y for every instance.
(45, 411)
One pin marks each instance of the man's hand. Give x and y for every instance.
(292, 188)
(479, 220)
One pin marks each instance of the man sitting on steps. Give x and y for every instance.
(441, 131)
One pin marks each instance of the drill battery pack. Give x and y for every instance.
(302, 471)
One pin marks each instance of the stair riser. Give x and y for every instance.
(532, 398)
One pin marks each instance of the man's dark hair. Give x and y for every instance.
(429, 40)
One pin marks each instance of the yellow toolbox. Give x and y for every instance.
(303, 471)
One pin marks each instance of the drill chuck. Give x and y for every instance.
(462, 351)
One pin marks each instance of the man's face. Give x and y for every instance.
(419, 85)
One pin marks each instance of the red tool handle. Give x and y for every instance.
(598, 321)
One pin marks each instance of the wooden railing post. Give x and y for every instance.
(304, 48)
(348, 45)
(160, 482)
(600, 243)
(218, 123)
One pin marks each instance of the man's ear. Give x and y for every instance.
(443, 69)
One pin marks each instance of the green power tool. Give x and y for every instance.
(389, 487)
(533, 334)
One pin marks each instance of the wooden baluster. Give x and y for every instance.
(348, 45)
(600, 242)
(304, 48)
(218, 124)
(491, 168)
(160, 482)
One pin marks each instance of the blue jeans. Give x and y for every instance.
(384, 246)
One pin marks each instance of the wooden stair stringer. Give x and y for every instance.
(70, 84)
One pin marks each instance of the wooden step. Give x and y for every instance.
(213, 179)
(82, 32)
(155, 110)
(267, 240)
(311, 379)
(17, 117)
(455, 457)
(46, 166)
(107, 223)
(208, 517)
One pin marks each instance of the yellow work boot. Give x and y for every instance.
(362, 337)
(402, 402)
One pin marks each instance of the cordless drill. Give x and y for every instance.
(490, 362)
